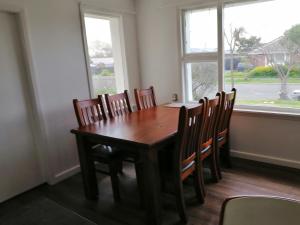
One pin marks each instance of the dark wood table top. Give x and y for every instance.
(146, 128)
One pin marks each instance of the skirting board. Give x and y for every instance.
(65, 174)
(266, 159)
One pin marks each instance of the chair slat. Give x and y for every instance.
(89, 111)
(118, 104)
(145, 98)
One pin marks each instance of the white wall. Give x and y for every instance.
(59, 63)
(157, 32)
(267, 138)
(263, 138)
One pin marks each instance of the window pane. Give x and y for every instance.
(262, 49)
(200, 30)
(202, 79)
(103, 55)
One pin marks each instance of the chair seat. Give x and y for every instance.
(206, 152)
(105, 152)
(222, 135)
(186, 167)
(203, 151)
(221, 138)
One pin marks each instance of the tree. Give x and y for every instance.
(289, 46)
(232, 38)
(99, 49)
(204, 77)
(238, 43)
(246, 45)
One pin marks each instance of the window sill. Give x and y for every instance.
(267, 114)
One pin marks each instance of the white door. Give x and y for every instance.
(19, 163)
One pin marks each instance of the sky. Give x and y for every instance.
(268, 20)
(97, 29)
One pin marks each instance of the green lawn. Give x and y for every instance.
(108, 90)
(275, 103)
(242, 78)
(260, 81)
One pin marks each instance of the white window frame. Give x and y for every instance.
(196, 57)
(219, 57)
(117, 33)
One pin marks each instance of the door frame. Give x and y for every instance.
(37, 120)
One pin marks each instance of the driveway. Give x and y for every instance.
(261, 91)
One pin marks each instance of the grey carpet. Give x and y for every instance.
(42, 211)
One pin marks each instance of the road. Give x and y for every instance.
(261, 91)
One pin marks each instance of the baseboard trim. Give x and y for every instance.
(266, 159)
(65, 174)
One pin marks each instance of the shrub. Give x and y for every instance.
(295, 72)
(263, 71)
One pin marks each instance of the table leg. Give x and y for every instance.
(87, 169)
(140, 182)
(151, 185)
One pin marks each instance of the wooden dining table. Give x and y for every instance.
(143, 133)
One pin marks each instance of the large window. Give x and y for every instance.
(262, 46)
(105, 61)
(200, 53)
(261, 55)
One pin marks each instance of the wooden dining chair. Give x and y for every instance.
(185, 162)
(118, 104)
(91, 111)
(145, 98)
(223, 136)
(209, 143)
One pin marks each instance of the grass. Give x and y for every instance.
(274, 103)
(261, 81)
(241, 78)
(107, 90)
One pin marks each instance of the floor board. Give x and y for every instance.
(244, 179)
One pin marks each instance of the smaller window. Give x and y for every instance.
(104, 54)
(200, 54)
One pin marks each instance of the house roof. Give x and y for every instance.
(272, 47)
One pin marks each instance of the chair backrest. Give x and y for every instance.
(89, 111)
(118, 104)
(190, 128)
(145, 98)
(227, 105)
(260, 210)
(211, 118)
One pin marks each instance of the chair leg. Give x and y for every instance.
(214, 167)
(218, 163)
(199, 183)
(180, 200)
(226, 151)
(113, 169)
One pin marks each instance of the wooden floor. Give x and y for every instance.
(245, 179)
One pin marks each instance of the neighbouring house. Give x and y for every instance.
(275, 50)
(259, 56)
